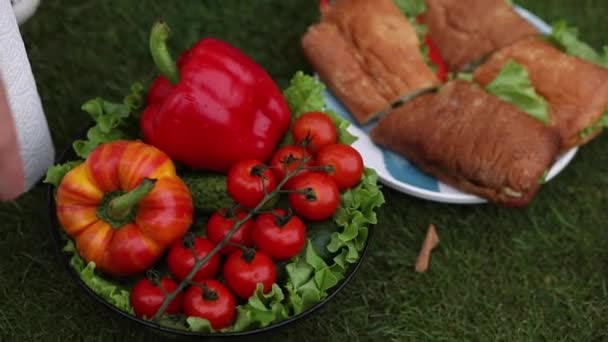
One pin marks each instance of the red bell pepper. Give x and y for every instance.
(216, 106)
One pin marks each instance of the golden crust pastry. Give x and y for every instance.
(473, 141)
(465, 31)
(368, 54)
(576, 90)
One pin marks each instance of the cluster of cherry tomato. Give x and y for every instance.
(319, 168)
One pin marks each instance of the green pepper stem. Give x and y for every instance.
(121, 206)
(160, 52)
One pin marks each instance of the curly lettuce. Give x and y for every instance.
(110, 119)
(112, 122)
(565, 37)
(111, 292)
(305, 94)
(513, 85)
(260, 311)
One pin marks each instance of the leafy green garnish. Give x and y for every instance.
(309, 277)
(55, 173)
(513, 85)
(566, 38)
(305, 94)
(198, 324)
(602, 123)
(261, 309)
(110, 119)
(411, 8)
(355, 214)
(109, 291)
(464, 76)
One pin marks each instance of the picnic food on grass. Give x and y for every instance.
(498, 132)
(576, 90)
(369, 55)
(466, 31)
(259, 252)
(474, 140)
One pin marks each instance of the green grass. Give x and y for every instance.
(505, 275)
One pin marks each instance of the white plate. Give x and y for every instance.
(399, 174)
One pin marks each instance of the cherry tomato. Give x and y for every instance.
(345, 162)
(288, 158)
(280, 235)
(181, 259)
(314, 130)
(318, 196)
(247, 181)
(211, 301)
(243, 271)
(221, 222)
(146, 297)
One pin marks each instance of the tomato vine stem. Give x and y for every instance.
(237, 225)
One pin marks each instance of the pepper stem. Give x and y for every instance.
(160, 52)
(122, 206)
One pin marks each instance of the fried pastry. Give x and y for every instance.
(368, 54)
(472, 140)
(465, 31)
(576, 90)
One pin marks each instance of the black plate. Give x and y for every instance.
(59, 243)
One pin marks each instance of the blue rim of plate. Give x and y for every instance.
(398, 173)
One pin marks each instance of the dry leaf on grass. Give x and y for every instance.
(430, 242)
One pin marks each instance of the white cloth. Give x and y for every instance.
(35, 144)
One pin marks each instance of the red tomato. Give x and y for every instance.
(181, 260)
(282, 236)
(146, 297)
(221, 223)
(287, 159)
(247, 181)
(345, 162)
(243, 271)
(318, 197)
(211, 301)
(314, 130)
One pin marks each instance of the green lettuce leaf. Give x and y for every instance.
(309, 276)
(411, 8)
(602, 123)
(109, 291)
(55, 173)
(305, 94)
(198, 324)
(355, 214)
(464, 76)
(262, 309)
(110, 119)
(513, 85)
(566, 38)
